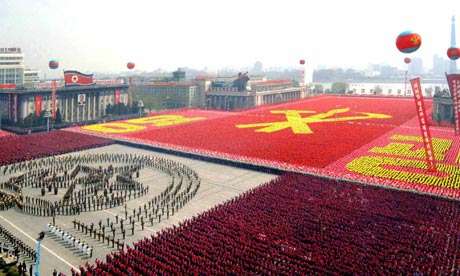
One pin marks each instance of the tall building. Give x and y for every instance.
(440, 65)
(11, 66)
(31, 78)
(167, 95)
(453, 43)
(179, 75)
(258, 68)
(416, 66)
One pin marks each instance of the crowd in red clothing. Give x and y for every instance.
(28, 147)
(304, 225)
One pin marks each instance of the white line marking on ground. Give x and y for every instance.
(44, 247)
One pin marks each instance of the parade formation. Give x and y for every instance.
(72, 184)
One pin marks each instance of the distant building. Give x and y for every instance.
(167, 95)
(258, 67)
(453, 43)
(416, 66)
(31, 78)
(440, 65)
(12, 66)
(179, 75)
(75, 104)
(258, 93)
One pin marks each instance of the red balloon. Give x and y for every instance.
(407, 60)
(302, 62)
(130, 65)
(53, 64)
(453, 53)
(408, 42)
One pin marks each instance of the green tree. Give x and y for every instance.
(58, 119)
(318, 88)
(339, 87)
(378, 90)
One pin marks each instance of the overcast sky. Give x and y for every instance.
(102, 35)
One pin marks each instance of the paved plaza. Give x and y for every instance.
(218, 184)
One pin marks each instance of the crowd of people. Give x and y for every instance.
(303, 225)
(183, 186)
(19, 246)
(7, 200)
(93, 182)
(20, 148)
(69, 239)
(99, 188)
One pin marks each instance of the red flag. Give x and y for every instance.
(424, 127)
(38, 105)
(75, 78)
(454, 86)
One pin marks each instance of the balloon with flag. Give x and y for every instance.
(453, 53)
(53, 64)
(408, 42)
(130, 65)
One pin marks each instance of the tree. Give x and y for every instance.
(339, 87)
(318, 88)
(378, 90)
(58, 119)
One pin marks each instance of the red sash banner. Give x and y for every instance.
(38, 105)
(454, 86)
(425, 129)
(117, 96)
(53, 99)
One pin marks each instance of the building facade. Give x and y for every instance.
(259, 93)
(31, 78)
(167, 95)
(11, 66)
(75, 104)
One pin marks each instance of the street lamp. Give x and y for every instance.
(38, 241)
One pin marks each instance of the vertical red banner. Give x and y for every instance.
(117, 96)
(38, 105)
(53, 99)
(454, 86)
(425, 129)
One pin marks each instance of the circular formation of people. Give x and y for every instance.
(71, 184)
(91, 182)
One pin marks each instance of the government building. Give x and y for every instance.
(76, 104)
(252, 94)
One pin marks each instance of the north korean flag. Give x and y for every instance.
(75, 78)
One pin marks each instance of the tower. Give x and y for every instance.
(452, 64)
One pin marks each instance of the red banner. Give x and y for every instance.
(53, 99)
(38, 105)
(117, 96)
(75, 78)
(7, 86)
(454, 86)
(425, 129)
